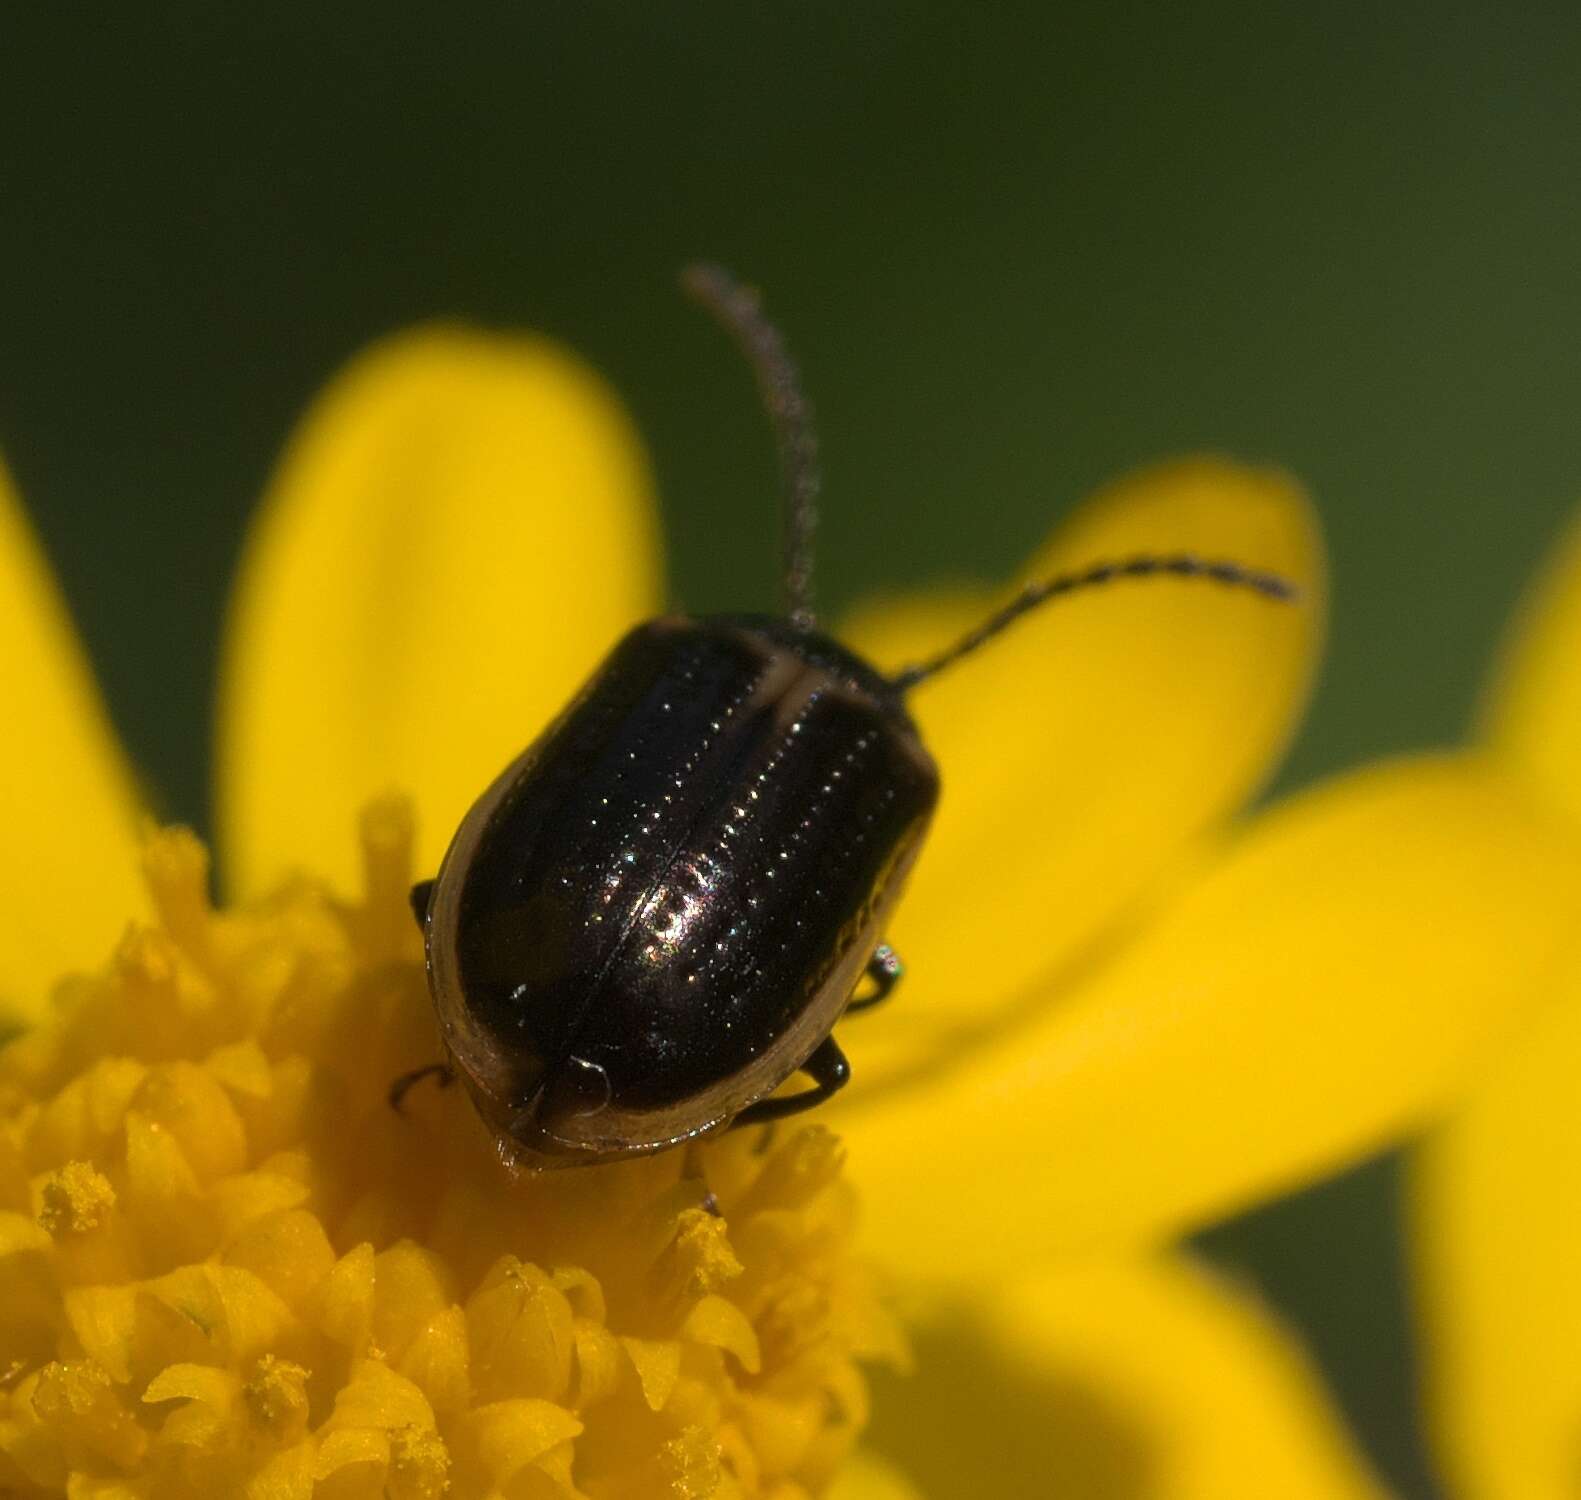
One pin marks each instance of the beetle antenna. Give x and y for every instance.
(740, 310)
(1177, 565)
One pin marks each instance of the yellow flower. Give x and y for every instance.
(228, 1267)
(1496, 1206)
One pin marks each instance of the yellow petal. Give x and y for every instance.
(458, 531)
(1497, 1242)
(1089, 1383)
(1326, 984)
(1085, 747)
(69, 880)
(1533, 708)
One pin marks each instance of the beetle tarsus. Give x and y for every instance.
(830, 1073)
(422, 895)
(886, 970)
(403, 1085)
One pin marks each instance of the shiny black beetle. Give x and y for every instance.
(659, 910)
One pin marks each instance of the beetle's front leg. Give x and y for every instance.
(403, 1085)
(830, 1073)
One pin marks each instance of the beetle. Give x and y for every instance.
(657, 912)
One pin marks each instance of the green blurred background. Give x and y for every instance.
(1018, 248)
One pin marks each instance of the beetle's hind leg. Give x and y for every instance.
(404, 1084)
(886, 970)
(830, 1073)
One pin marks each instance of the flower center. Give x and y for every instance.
(228, 1267)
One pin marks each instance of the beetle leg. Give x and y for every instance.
(403, 1085)
(829, 1071)
(422, 894)
(692, 1171)
(885, 969)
